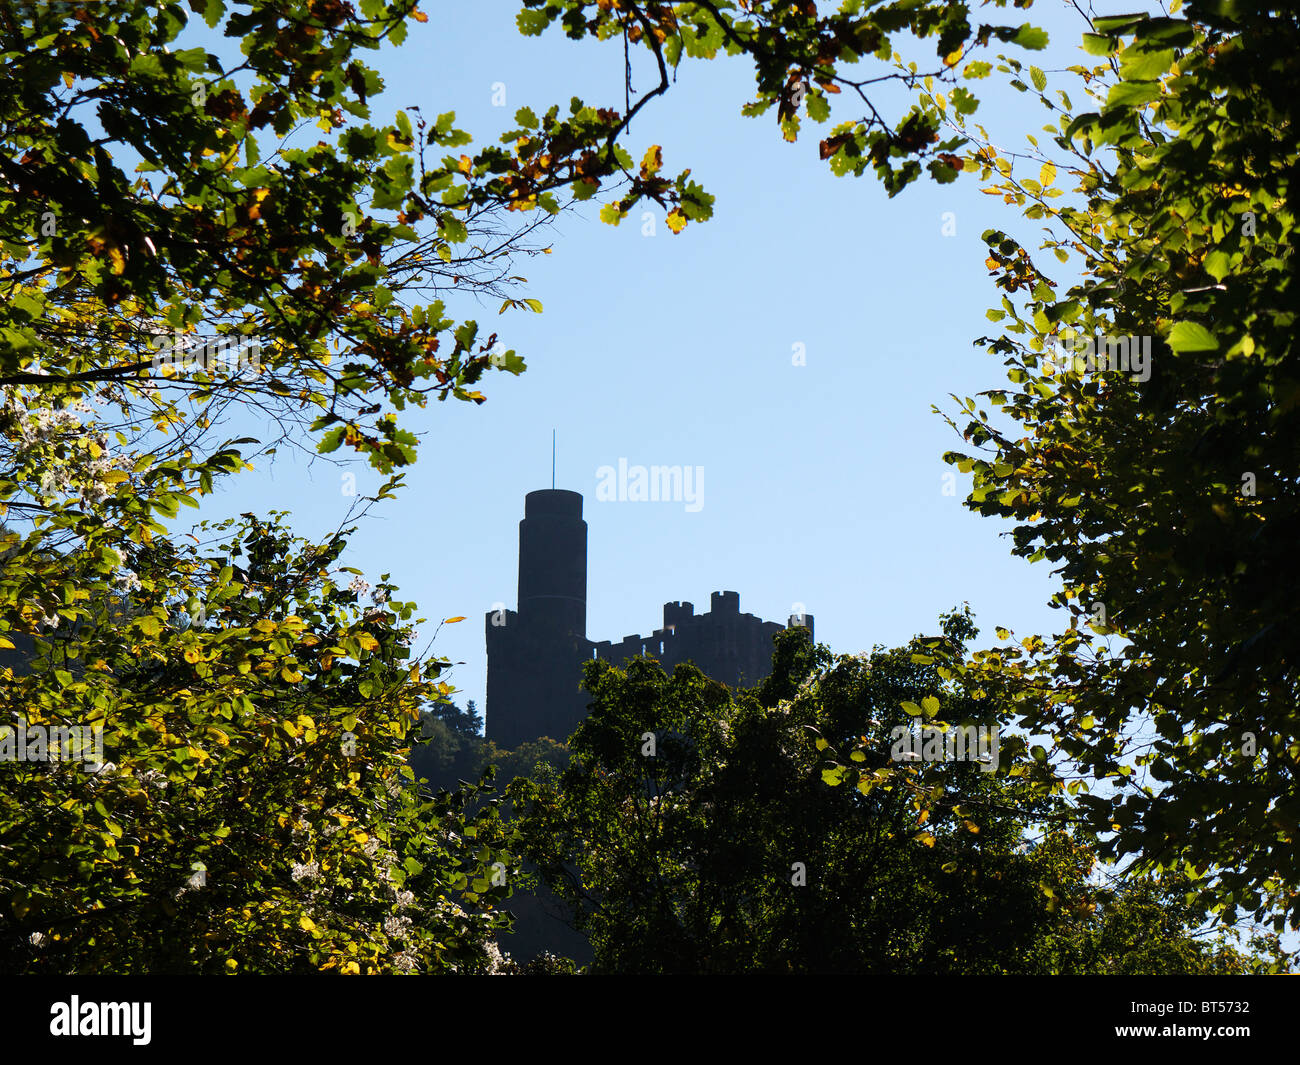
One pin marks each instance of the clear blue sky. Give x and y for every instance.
(822, 483)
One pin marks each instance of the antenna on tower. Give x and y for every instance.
(552, 460)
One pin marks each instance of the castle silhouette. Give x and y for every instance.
(535, 654)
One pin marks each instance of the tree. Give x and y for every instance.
(467, 722)
(700, 829)
(1163, 487)
(251, 810)
(452, 749)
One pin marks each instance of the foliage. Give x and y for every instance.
(802, 59)
(467, 722)
(544, 964)
(1165, 495)
(155, 194)
(690, 858)
(253, 812)
(448, 756)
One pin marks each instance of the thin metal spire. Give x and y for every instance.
(552, 460)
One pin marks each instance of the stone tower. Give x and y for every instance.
(534, 653)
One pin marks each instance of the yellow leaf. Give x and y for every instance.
(676, 220)
(1047, 174)
(255, 208)
(452, 621)
(306, 923)
(653, 159)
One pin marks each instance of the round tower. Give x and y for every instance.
(553, 562)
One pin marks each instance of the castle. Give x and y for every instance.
(535, 654)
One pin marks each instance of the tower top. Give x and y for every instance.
(559, 502)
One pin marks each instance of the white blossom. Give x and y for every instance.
(308, 871)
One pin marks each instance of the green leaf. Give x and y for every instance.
(1133, 94)
(1192, 336)
(1138, 64)
(213, 10)
(532, 23)
(1032, 38)
(453, 229)
(1099, 44)
(1218, 265)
